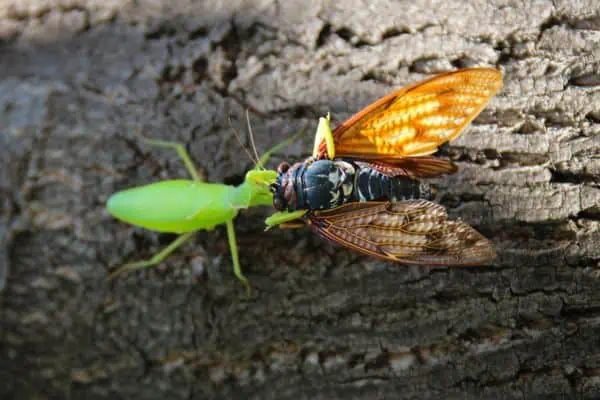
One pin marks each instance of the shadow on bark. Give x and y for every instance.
(80, 81)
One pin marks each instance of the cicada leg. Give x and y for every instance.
(283, 217)
(292, 224)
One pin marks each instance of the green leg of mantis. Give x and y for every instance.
(278, 147)
(181, 151)
(324, 133)
(237, 269)
(156, 259)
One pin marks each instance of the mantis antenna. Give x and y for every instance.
(237, 137)
(251, 135)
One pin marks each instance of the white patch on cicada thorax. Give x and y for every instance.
(334, 179)
(335, 196)
(347, 179)
(341, 177)
(347, 188)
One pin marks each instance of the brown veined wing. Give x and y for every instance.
(415, 120)
(409, 232)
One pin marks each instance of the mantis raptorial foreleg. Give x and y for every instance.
(157, 258)
(278, 147)
(181, 151)
(324, 133)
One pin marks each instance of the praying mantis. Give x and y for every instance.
(184, 206)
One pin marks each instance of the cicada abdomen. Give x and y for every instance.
(326, 184)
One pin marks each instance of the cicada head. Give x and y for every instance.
(284, 193)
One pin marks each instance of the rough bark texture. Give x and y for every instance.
(80, 77)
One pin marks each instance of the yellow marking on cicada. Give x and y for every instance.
(324, 133)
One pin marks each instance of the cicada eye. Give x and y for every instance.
(283, 167)
(273, 188)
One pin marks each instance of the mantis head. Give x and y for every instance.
(258, 183)
(261, 177)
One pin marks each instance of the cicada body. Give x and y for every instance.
(326, 184)
(364, 186)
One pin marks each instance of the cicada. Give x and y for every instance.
(365, 184)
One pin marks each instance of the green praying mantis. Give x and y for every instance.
(184, 206)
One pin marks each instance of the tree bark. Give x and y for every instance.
(80, 79)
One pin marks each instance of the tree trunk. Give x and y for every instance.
(81, 79)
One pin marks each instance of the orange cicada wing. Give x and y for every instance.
(414, 121)
(410, 232)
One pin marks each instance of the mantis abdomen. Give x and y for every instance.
(175, 206)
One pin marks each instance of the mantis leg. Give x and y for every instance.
(324, 133)
(183, 154)
(156, 259)
(283, 217)
(237, 269)
(278, 147)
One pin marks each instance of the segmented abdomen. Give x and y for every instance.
(371, 184)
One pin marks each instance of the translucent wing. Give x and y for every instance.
(410, 232)
(415, 120)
